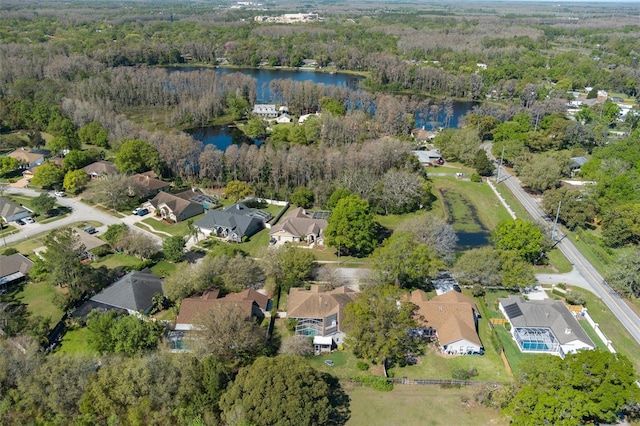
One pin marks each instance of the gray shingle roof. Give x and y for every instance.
(547, 313)
(133, 292)
(8, 208)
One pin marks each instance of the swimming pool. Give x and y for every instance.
(534, 345)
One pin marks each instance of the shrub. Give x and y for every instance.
(562, 286)
(291, 324)
(459, 373)
(9, 251)
(507, 326)
(375, 382)
(477, 290)
(574, 298)
(475, 177)
(362, 366)
(101, 251)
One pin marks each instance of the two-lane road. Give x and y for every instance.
(614, 302)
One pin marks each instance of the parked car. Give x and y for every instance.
(142, 212)
(20, 222)
(136, 210)
(90, 230)
(29, 220)
(59, 194)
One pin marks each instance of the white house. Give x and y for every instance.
(265, 110)
(11, 211)
(544, 326)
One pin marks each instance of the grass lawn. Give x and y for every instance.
(344, 364)
(558, 263)
(419, 406)
(75, 342)
(257, 243)
(610, 326)
(8, 230)
(38, 297)
(163, 268)
(179, 228)
(593, 336)
(515, 205)
(516, 358)
(117, 259)
(477, 206)
(392, 221)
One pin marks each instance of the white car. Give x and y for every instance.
(59, 194)
(28, 220)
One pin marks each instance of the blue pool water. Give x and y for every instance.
(534, 345)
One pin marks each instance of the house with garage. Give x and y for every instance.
(429, 158)
(197, 196)
(544, 326)
(173, 208)
(298, 226)
(133, 293)
(28, 159)
(319, 311)
(100, 168)
(253, 303)
(233, 223)
(14, 268)
(452, 318)
(11, 211)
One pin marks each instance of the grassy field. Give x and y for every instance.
(117, 259)
(419, 406)
(75, 342)
(611, 327)
(38, 298)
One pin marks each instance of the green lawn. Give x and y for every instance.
(257, 243)
(163, 268)
(115, 260)
(75, 342)
(392, 221)
(516, 358)
(344, 364)
(611, 327)
(38, 297)
(515, 205)
(420, 406)
(558, 263)
(593, 336)
(179, 228)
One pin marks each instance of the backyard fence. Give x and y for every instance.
(449, 382)
(596, 328)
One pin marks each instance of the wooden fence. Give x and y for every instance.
(450, 382)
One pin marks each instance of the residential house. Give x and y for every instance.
(253, 303)
(100, 168)
(423, 135)
(11, 211)
(576, 164)
(265, 110)
(544, 326)
(149, 183)
(197, 196)
(173, 208)
(132, 293)
(233, 223)
(297, 226)
(452, 317)
(27, 158)
(429, 158)
(318, 311)
(284, 119)
(13, 269)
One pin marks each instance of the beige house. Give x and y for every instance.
(319, 312)
(27, 158)
(453, 318)
(100, 168)
(149, 184)
(173, 208)
(299, 226)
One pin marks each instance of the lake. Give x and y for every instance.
(223, 136)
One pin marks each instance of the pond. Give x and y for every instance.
(471, 232)
(223, 136)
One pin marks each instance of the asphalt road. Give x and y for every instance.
(592, 278)
(79, 212)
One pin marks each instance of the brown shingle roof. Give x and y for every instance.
(299, 223)
(149, 183)
(317, 303)
(14, 263)
(193, 308)
(99, 168)
(451, 314)
(25, 156)
(176, 204)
